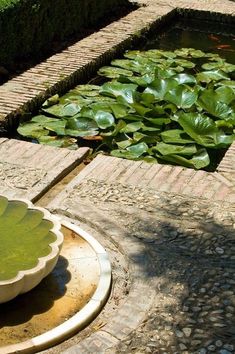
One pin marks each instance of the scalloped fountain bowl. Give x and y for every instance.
(30, 243)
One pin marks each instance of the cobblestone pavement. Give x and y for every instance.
(180, 248)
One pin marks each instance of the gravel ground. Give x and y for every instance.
(190, 247)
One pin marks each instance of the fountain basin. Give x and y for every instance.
(30, 243)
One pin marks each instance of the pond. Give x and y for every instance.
(170, 102)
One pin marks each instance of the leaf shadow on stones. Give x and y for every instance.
(186, 248)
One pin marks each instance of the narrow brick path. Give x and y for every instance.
(172, 179)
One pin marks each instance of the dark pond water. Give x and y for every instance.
(204, 35)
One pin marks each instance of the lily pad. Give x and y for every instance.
(182, 96)
(204, 131)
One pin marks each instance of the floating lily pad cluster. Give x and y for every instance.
(158, 106)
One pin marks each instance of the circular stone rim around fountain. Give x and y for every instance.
(26, 280)
(84, 316)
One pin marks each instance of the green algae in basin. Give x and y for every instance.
(24, 237)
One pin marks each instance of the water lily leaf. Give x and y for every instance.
(81, 133)
(132, 54)
(204, 131)
(176, 136)
(72, 97)
(152, 53)
(211, 75)
(113, 73)
(66, 110)
(210, 101)
(100, 106)
(182, 96)
(167, 54)
(119, 110)
(116, 89)
(172, 149)
(225, 94)
(158, 121)
(140, 65)
(142, 80)
(81, 124)
(86, 87)
(199, 160)
(230, 83)
(147, 99)
(189, 52)
(220, 64)
(132, 127)
(32, 130)
(86, 112)
(104, 119)
(102, 99)
(159, 87)
(65, 142)
(131, 152)
(147, 128)
(41, 119)
(133, 117)
(185, 79)
(121, 124)
(220, 123)
(164, 73)
(124, 143)
(149, 159)
(184, 63)
(51, 101)
(138, 149)
(85, 90)
(57, 127)
(140, 109)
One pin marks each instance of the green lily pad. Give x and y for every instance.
(209, 100)
(131, 152)
(62, 142)
(199, 160)
(116, 89)
(176, 136)
(132, 127)
(172, 149)
(63, 110)
(81, 124)
(104, 119)
(32, 130)
(204, 131)
(211, 75)
(160, 87)
(51, 101)
(182, 96)
(113, 73)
